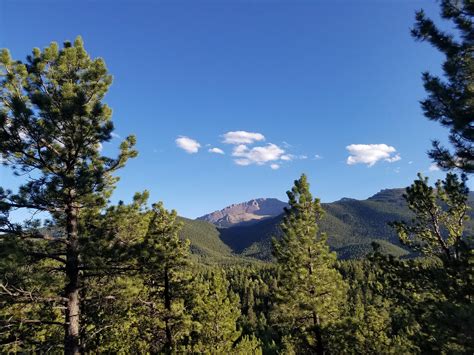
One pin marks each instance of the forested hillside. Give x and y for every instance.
(351, 225)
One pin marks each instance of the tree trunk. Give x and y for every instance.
(71, 337)
(169, 338)
(319, 338)
(316, 323)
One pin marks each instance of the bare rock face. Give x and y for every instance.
(245, 212)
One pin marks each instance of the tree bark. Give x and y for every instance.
(317, 332)
(169, 337)
(316, 323)
(72, 326)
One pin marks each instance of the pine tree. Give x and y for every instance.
(440, 217)
(451, 101)
(52, 127)
(216, 311)
(164, 263)
(439, 292)
(112, 283)
(310, 289)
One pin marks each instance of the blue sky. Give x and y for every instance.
(308, 79)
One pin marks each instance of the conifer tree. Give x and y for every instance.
(440, 290)
(310, 289)
(451, 101)
(164, 262)
(52, 127)
(216, 311)
(441, 213)
(112, 283)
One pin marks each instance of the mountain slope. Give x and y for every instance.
(206, 244)
(246, 229)
(351, 225)
(205, 239)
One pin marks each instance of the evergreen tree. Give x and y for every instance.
(113, 284)
(451, 101)
(372, 323)
(440, 292)
(216, 311)
(440, 218)
(52, 126)
(163, 260)
(310, 288)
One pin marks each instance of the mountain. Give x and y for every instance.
(351, 225)
(245, 213)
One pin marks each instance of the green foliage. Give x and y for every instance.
(440, 216)
(451, 101)
(310, 290)
(205, 243)
(163, 260)
(217, 310)
(439, 292)
(52, 126)
(429, 304)
(370, 323)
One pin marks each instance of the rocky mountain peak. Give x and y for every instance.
(245, 212)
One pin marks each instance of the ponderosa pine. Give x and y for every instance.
(53, 123)
(450, 99)
(310, 289)
(163, 261)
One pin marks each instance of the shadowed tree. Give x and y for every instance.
(53, 123)
(439, 292)
(163, 259)
(450, 100)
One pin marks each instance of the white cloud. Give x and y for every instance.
(242, 137)
(257, 155)
(317, 157)
(290, 157)
(274, 166)
(410, 162)
(189, 145)
(216, 151)
(371, 153)
(433, 167)
(242, 162)
(115, 135)
(393, 159)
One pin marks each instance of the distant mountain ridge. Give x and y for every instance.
(246, 229)
(245, 212)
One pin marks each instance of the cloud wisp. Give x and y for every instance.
(370, 154)
(242, 137)
(187, 144)
(216, 150)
